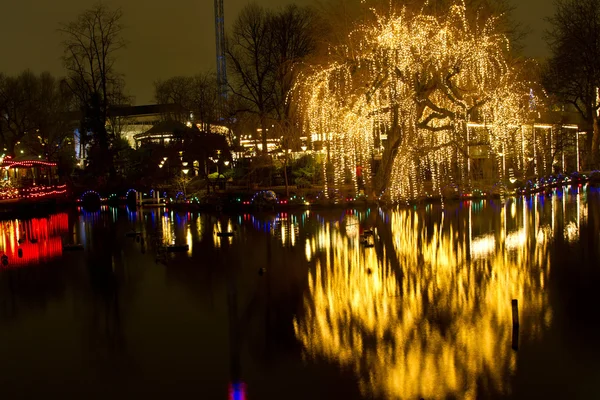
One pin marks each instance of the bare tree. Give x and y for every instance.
(294, 36)
(265, 50)
(250, 51)
(90, 45)
(18, 100)
(205, 99)
(196, 95)
(175, 90)
(573, 71)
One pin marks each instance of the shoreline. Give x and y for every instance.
(230, 202)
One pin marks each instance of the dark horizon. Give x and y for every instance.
(156, 51)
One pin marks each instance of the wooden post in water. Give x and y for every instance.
(515, 312)
(515, 320)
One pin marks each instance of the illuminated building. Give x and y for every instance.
(130, 121)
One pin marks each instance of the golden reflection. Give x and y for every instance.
(168, 229)
(222, 227)
(571, 232)
(483, 246)
(286, 229)
(188, 239)
(352, 223)
(413, 316)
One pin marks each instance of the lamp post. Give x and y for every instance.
(162, 164)
(577, 146)
(184, 181)
(216, 162)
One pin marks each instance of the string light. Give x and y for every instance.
(32, 192)
(90, 193)
(28, 163)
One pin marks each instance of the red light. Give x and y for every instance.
(40, 239)
(31, 163)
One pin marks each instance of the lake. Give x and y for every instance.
(315, 304)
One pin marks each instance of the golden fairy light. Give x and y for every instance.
(413, 84)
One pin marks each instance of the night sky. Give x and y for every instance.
(166, 38)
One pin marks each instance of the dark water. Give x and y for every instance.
(294, 306)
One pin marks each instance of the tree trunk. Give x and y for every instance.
(263, 134)
(387, 163)
(384, 173)
(285, 176)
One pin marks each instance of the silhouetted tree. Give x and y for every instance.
(573, 70)
(194, 94)
(34, 114)
(294, 39)
(263, 50)
(249, 50)
(90, 45)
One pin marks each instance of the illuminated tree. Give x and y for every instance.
(415, 80)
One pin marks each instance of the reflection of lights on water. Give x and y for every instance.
(287, 230)
(544, 234)
(189, 240)
(32, 241)
(516, 239)
(483, 246)
(237, 391)
(437, 330)
(352, 226)
(222, 227)
(168, 229)
(571, 232)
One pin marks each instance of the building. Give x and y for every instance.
(131, 122)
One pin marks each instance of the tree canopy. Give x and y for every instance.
(264, 50)
(90, 44)
(573, 71)
(34, 118)
(197, 95)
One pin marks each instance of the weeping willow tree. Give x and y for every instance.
(411, 84)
